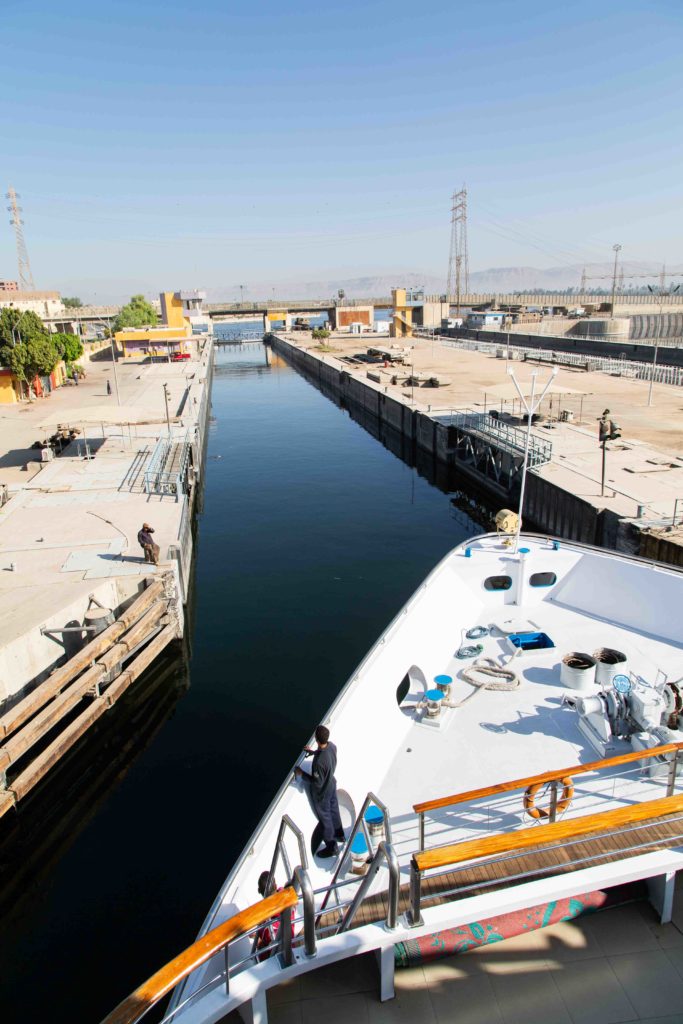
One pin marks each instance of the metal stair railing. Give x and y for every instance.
(510, 437)
(385, 851)
(359, 823)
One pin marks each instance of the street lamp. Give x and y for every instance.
(168, 418)
(662, 295)
(113, 355)
(608, 431)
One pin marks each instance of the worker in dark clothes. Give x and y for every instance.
(146, 542)
(108, 387)
(323, 790)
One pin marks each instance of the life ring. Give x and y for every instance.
(539, 813)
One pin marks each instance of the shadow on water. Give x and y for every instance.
(35, 836)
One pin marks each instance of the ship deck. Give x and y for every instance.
(505, 735)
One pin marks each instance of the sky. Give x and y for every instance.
(166, 145)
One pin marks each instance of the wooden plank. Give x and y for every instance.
(27, 707)
(156, 987)
(38, 768)
(138, 665)
(46, 719)
(576, 769)
(480, 877)
(559, 831)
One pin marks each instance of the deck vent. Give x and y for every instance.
(497, 583)
(542, 579)
(402, 690)
(609, 664)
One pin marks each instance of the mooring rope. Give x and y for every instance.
(506, 679)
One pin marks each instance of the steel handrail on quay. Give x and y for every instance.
(510, 437)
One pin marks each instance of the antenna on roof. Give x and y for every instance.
(531, 406)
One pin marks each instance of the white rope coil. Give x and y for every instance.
(501, 679)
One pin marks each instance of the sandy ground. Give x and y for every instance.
(644, 467)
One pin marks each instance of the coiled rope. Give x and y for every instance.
(477, 632)
(469, 652)
(500, 678)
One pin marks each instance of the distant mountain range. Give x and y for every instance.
(494, 279)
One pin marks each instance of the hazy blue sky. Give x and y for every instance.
(166, 144)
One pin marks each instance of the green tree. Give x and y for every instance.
(69, 347)
(26, 347)
(138, 313)
(72, 303)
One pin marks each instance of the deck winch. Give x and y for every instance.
(632, 710)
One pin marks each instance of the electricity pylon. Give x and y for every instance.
(458, 267)
(25, 276)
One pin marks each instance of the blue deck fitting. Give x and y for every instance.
(374, 816)
(359, 845)
(434, 695)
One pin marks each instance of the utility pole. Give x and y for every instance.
(113, 356)
(25, 276)
(663, 294)
(458, 265)
(168, 418)
(617, 250)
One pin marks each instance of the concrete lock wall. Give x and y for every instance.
(396, 423)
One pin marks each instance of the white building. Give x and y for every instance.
(193, 310)
(45, 304)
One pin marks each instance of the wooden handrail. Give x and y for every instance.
(523, 839)
(161, 983)
(553, 776)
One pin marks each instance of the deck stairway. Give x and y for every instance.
(439, 876)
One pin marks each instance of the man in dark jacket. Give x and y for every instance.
(146, 542)
(323, 790)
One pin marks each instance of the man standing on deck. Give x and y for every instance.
(146, 542)
(323, 790)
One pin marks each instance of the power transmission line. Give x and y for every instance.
(458, 264)
(25, 276)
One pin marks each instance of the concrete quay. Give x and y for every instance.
(68, 533)
(644, 476)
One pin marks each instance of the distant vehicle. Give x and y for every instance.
(178, 357)
(577, 311)
(301, 324)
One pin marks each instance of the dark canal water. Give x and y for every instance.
(313, 535)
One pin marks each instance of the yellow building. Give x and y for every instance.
(10, 388)
(401, 315)
(171, 337)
